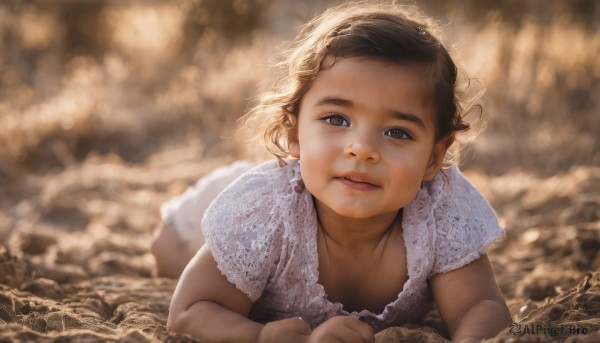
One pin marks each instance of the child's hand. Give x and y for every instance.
(292, 330)
(342, 329)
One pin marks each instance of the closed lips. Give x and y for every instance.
(359, 181)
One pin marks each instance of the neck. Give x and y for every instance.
(354, 235)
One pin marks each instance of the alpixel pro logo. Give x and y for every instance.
(537, 329)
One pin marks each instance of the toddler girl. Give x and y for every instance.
(355, 227)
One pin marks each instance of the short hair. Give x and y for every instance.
(399, 34)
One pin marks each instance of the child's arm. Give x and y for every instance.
(208, 307)
(470, 302)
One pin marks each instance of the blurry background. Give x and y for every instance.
(108, 108)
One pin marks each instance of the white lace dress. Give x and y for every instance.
(262, 231)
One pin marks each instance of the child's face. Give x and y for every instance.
(366, 137)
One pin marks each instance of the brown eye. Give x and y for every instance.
(397, 134)
(336, 120)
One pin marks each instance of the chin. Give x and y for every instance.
(353, 212)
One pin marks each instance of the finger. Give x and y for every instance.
(301, 326)
(293, 329)
(364, 330)
(347, 335)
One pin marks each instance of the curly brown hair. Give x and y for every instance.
(387, 31)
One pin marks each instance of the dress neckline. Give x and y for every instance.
(337, 306)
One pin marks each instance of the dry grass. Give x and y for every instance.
(541, 104)
(148, 76)
(109, 108)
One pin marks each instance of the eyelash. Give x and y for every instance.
(404, 133)
(327, 119)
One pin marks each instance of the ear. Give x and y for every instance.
(293, 142)
(294, 149)
(436, 161)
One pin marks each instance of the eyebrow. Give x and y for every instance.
(411, 118)
(332, 100)
(336, 101)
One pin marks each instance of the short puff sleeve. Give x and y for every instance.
(241, 229)
(465, 223)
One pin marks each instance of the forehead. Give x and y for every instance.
(356, 63)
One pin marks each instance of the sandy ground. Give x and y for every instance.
(97, 130)
(74, 265)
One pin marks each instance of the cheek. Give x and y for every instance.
(408, 168)
(312, 176)
(407, 182)
(310, 139)
(413, 156)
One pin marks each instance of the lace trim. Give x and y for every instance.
(262, 230)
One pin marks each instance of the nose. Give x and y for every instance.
(362, 147)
